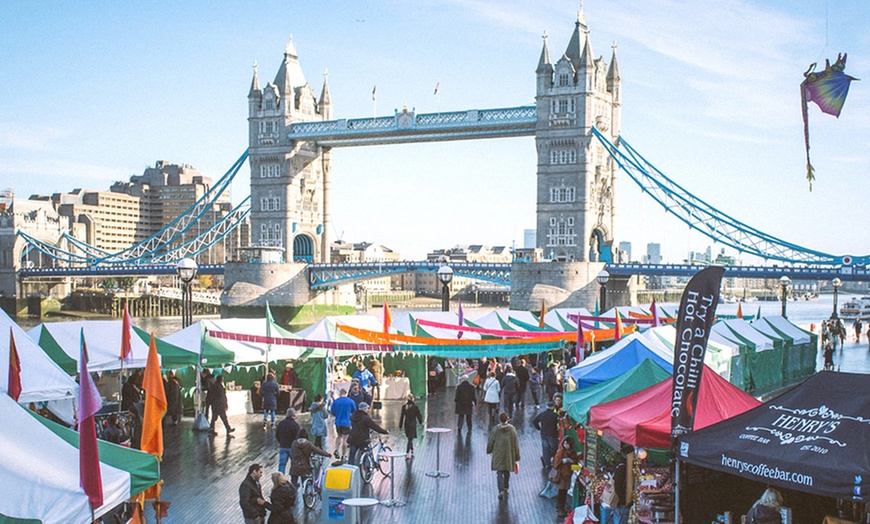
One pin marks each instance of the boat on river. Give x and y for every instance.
(856, 308)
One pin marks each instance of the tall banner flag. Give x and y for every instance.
(543, 314)
(739, 310)
(90, 402)
(694, 319)
(374, 93)
(436, 88)
(14, 382)
(461, 320)
(581, 353)
(155, 405)
(617, 333)
(388, 318)
(126, 330)
(655, 314)
(269, 321)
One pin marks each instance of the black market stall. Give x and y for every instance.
(813, 439)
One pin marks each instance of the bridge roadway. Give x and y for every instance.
(322, 276)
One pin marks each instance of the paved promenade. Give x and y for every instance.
(202, 473)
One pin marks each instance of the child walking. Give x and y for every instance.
(408, 421)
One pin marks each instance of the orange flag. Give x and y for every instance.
(739, 310)
(126, 329)
(618, 332)
(155, 405)
(388, 318)
(14, 382)
(543, 313)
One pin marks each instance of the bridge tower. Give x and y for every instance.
(576, 178)
(289, 181)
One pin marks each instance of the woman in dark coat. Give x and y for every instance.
(408, 421)
(283, 500)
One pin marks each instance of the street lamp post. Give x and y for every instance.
(784, 281)
(836, 283)
(603, 277)
(445, 275)
(186, 269)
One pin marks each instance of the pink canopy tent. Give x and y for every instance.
(644, 419)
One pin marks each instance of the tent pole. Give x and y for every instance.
(677, 491)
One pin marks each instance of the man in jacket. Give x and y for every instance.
(286, 433)
(358, 395)
(510, 390)
(522, 372)
(365, 377)
(217, 399)
(302, 450)
(269, 392)
(342, 409)
(504, 446)
(361, 424)
(464, 399)
(551, 381)
(547, 422)
(251, 499)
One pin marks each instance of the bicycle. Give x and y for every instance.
(372, 459)
(312, 486)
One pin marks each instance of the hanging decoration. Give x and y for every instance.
(828, 90)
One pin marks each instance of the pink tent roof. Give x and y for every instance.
(643, 419)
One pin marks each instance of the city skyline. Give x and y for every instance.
(713, 103)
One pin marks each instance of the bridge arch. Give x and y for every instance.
(303, 248)
(599, 247)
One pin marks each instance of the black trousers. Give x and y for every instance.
(459, 421)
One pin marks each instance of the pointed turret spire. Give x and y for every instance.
(581, 16)
(290, 48)
(613, 71)
(575, 46)
(544, 64)
(255, 84)
(325, 98)
(587, 58)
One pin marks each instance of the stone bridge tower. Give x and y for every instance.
(289, 181)
(576, 177)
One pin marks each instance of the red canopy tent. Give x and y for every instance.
(644, 418)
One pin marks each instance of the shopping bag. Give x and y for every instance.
(549, 491)
(517, 468)
(553, 475)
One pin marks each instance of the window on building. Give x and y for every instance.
(563, 79)
(563, 106)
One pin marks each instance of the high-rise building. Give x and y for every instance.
(653, 253)
(575, 200)
(529, 236)
(625, 249)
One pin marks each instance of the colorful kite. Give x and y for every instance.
(828, 89)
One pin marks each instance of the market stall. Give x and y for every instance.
(619, 358)
(813, 439)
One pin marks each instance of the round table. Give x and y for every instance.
(437, 473)
(392, 502)
(360, 502)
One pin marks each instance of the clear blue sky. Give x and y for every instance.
(95, 94)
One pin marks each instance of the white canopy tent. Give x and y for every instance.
(103, 339)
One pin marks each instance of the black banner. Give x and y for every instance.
(694, 319)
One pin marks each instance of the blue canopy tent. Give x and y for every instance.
(617, 359)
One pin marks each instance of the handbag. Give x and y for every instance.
(549, 491)
(554, 475)
(609, 496)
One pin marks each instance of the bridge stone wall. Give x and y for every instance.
(566, 284)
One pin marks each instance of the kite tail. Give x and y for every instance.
(804, 113)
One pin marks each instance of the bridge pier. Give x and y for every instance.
(566, 285)
(249, 286)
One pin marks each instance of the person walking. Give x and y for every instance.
(342, 409)
(358, 394)
(377, 370)
(269, 393)
(301, 452)
(283, 500)
(535, 385)
(464, 399)
(510, 390)
(408, 421)
(491, 392)
(504, 446)
(217, 399)
(551, 381)
(207, 381)
(523, 376)
(172, 392)
(361, 425)
(251, 499)
(547, 422)
(285, 434)
(319, 416)
(562, 462)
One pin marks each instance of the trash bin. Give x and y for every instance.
(341, 482)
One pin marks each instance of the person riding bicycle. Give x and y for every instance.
(301, 457)
(361, 424)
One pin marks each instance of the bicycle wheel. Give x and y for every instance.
(309, 494)
(384, 464)
(367, 468)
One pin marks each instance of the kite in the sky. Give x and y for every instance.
(828, 89)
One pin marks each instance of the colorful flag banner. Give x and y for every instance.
(388, 318)
(739, 310)
(298, 342)
(461, 320)
(543, 313)
(375, 92)
(90, 402)
(655, 314)
(436, 88)
(14, 379)
(580, 350)
(694, 320)
(155, 404)
(618, 330)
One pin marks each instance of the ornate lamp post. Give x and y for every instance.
(603, 277)
(445, 275)
(186, 269)
(836, 283)
(784, 281)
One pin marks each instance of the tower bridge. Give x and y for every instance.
(576, 122)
